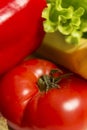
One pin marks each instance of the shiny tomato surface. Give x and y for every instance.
(35, 99)
(21, 30)
(59, 109)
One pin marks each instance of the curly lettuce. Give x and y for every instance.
(69, 17)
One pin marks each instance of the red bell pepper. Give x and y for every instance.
(21, 30)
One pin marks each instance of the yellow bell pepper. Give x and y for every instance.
(71, 56)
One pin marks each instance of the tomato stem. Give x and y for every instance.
(46, 82)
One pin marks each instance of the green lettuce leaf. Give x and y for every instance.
(69, 17)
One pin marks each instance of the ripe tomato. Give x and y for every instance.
(36, 99)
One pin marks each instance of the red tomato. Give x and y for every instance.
(21, 30)
(54, 106)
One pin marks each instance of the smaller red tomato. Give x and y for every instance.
(37, 95)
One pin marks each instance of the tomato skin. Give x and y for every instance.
(21, 30)
(19, 86)
(59, 109)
